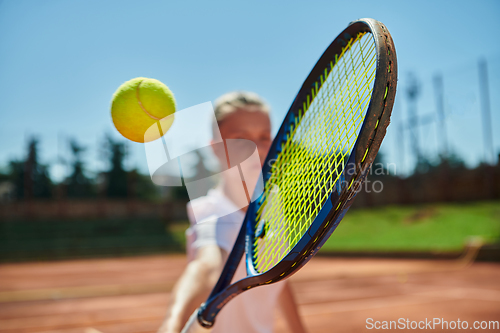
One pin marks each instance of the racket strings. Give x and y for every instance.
(299, 231)
(315, 151)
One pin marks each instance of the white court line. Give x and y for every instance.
(346, 306)
(91, 330)
(465, 293)
(400, 300)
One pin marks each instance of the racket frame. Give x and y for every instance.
(336, 206)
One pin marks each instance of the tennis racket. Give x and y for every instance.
(317, 163)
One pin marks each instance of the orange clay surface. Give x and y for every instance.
(126, 295)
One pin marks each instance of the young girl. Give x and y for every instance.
(216, 220)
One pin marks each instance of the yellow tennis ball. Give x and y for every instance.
(139, 104)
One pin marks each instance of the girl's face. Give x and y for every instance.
(247, 139)
(245, 124)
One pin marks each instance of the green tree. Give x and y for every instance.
(31, 179)
(116, 176)
(78, 185)
(141, 186)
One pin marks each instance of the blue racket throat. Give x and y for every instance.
(317, 163)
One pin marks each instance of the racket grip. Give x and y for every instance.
(193, 326)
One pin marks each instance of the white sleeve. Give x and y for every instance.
(205, 233)
(212, 230)
(201, 233)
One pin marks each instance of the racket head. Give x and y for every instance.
(313, 201)
(364, 54)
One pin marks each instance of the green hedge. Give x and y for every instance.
(48, 240)
(436, 227)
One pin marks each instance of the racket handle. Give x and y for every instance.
(193, 326)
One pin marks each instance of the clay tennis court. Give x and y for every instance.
(335, 295)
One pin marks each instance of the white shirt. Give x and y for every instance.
(219, 222)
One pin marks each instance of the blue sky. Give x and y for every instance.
(61, 61)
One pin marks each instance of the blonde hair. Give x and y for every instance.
(235, 100)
